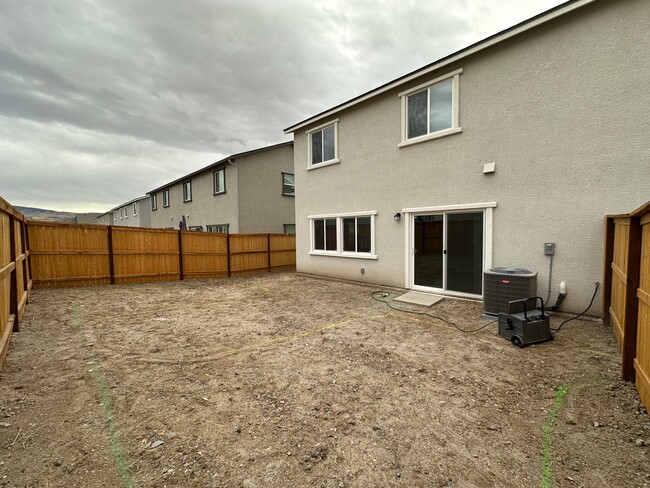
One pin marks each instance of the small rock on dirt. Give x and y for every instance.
(156, 444)
(640, 442)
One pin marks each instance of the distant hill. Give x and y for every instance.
(55, 216)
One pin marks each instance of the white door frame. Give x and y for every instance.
(409, 230)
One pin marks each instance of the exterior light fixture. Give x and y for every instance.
(397, 217)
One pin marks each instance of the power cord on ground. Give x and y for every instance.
(388, 301)
(581, 313)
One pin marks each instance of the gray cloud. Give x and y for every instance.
(103, 101)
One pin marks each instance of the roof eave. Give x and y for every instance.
(490, 41)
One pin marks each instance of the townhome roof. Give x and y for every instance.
(127, 203)
(508, 33)
(221, 161)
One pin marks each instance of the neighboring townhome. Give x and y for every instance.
(248, 192)
(134, 213)
(105, 218)
(479, 159)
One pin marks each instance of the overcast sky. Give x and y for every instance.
(102, 101)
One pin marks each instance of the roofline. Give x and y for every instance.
(221, 161)
(501, 36)
(126, 203)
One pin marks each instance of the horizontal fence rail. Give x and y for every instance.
(67, 255)
(15, 273)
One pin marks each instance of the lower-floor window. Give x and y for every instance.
(218, 228)
(289, 228)
(343, 234)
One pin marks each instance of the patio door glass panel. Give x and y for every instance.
(465, 252)
(428, 257)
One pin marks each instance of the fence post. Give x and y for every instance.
(607, 269)
(180, 254)
(111, 260)
(268, 250)
(228, 252)
(13, 281)
(23, 249)
(633, 274)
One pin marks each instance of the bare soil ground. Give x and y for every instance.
(290, 381)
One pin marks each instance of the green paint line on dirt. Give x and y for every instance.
(111, 421)
(547, 440)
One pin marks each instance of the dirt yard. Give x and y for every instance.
(290, 381)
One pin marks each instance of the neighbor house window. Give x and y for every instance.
(121, 213)
(187, 191)
(431, 110)
(154, 202)
(135, 209)
(323, 141)
(126, 212)
(115, 216)
(345, 235)
(288, 186)
(166, 198)
(289, 228)
(219, 228)
(220, 181)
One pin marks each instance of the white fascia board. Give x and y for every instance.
(481, 45)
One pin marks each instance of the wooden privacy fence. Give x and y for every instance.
(66, 255)
(15, 276)
(626, 297)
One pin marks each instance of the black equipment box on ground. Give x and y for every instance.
(525, 324)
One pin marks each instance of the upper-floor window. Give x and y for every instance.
(154, 202)
(219, 181)
(187, 191)
(288, 185)
(135, 209)
(121, 213)
(115, 215)
(323, 144)
(431, 110)
(166, 198)
(126, 212)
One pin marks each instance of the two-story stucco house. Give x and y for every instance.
(134, 213)
(478, 159)
(248, 192)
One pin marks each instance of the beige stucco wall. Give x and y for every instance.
(562, 110)
(262, 206)
(205, 207)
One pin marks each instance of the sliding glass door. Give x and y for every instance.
(448, 251)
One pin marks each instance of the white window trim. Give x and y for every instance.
(165, 192)
(135, 209)
(455, 121)
(329, 162)
(185, 195)
(214, 181)
(487, 207)
(154, 202)
(339, 235)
